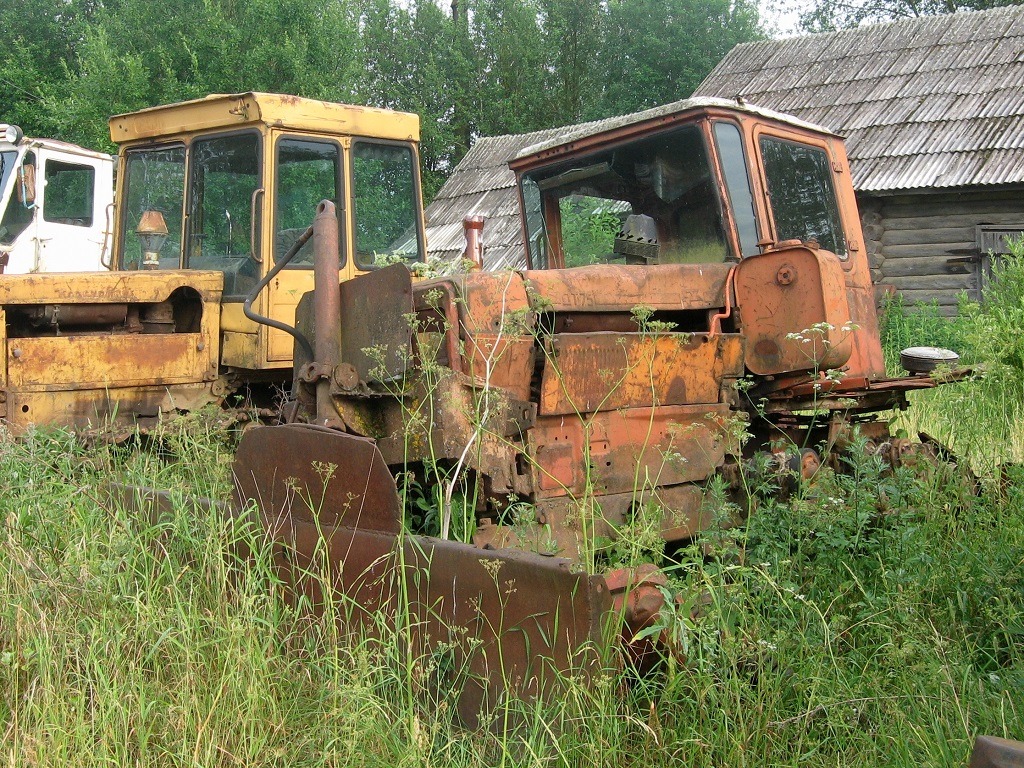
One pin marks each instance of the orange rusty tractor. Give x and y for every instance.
(544, 410)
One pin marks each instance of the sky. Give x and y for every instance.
(782, 17)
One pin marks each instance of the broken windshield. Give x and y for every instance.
(17, 214)
(642, 202)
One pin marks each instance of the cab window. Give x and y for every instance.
(653, 201)
(154, 183)
(801, 194)
(225, 174)
(737, 184)
(69, 193)
(307, 172)
(384, 203)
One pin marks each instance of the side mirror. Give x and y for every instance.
(26, 190)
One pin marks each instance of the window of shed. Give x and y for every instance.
(802, 197)
(996, 239)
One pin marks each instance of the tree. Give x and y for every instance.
(41, 43)
(136, 54)
(573, 37)
(829, 15)
(658, 51)
(510, 65)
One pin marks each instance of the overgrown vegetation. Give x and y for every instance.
(468, 68)
(873, 618)
(982, 420)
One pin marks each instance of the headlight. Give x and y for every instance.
(11, 133)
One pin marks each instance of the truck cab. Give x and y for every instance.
(730, 192)
(55, 205)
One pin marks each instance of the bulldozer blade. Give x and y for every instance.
(490, 624)
(994, 752)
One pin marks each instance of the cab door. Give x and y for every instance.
(307, 170)
(70, 229)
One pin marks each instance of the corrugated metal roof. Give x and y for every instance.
(929, 102)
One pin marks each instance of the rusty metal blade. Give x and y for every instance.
(312, 473)
(993, 752)
(376, 338)
(508, 623)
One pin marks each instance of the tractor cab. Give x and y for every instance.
(228, 183)
(55, 204)
(737, 196)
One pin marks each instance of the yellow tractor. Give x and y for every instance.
(211, 195)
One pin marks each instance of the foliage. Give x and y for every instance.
(502, 66)
(588, 232)
(828, 15)
(988, 336)
(658, 51)
(871, 619)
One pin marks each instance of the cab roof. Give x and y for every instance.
(270, 109)
(569, 138)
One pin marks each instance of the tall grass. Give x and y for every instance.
(982, 420)
(874, 618)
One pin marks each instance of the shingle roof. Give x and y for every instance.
(483, 185)
(926, 102)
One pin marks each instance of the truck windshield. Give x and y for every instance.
(642, 202)
(154, 182)
(16, 215)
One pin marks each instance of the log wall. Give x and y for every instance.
(911, 238)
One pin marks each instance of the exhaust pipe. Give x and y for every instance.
(472, 227)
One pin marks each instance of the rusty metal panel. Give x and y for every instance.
(797, 291)
(79, 362)
(240, 350)
(568, 526)
(107, 287)
(496, 330)
(604, 371)
(615, 287)
(311, 473)
(994, 752)
(3, 340)
(503, 361)
(623, 450)
(492, 301)
(376, 336)
(503, 623)
(115, 407)
(270, 109)
(578, 138)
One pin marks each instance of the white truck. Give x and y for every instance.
(56, 205)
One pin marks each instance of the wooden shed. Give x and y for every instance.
(933, 112)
